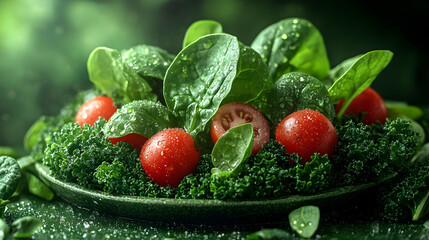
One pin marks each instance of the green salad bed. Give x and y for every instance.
(284, 72)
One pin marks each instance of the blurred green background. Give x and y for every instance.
(44, 44)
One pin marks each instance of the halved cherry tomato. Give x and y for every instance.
(134, 139)
(235, 114)
(168, 156)
(369, 102)
(306, 132)
(95, 108)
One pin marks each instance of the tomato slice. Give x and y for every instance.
(235, 114)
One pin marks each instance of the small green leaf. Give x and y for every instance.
(10, 175)
(32, 134)
(358, 77)
(143, 117)
(108, 71)
(305, 220)
(293, 45)
(25, 227)
(232, 149)
(4, 229)
(38, 188)
(8, 151)
(426, 224)
(402, 109)
(3, 204)
(269, 234)
(199, 29)
(297, 91)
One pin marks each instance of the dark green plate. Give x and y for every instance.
(197, 211)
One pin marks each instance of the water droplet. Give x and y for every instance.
(284, 36)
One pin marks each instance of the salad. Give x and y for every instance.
(223, 120)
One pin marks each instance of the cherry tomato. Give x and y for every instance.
(134, 139)
(370, 102)
(306, 132)
(235, 114)
(95, 108)
(168, 156)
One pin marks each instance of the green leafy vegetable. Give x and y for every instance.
(143, 117)
(292, 45)
(232, 149)
(202, 75)
(3, 204)
(8, 151)
(426, 224)
(336, 72)
(4, 229)
(38, 188)
(10, 175)
(305, 220)
(359, 76)
(408, 198)
(401, 109)
(366, 153)
(123, 77)
(269, 234)
(25, 227)
(297, 91)
(199, 29)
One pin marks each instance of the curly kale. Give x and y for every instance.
(366, 153)
(408, 199)
(269, 174)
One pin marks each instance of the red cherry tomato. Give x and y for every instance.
(235, 114)
(306, 132)
(370, 102)
(134, 139)
(168, 156)
(95, 108)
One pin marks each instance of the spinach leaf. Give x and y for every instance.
(38, 188)
(270, 234)
(25, 227)
(422, 206)
(403, 110)
(422, 154)
(199, 29)
(4, 229)
(232, 149)
(359, 76)
(3, 204)
(339, 70)
(143, 117)
(305, 220)
(202, 76)
(32, 135)
(292, 45)
(150, 63)
(115, 78)
(297, 91)
(8, 151)
(10, 176)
